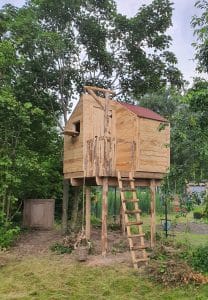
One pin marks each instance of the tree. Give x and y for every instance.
(165, 101)
(64, 45)
(30, 145)
(189, 136)
(199, 23)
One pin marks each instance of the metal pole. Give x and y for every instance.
(166, 218)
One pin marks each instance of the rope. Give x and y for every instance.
(83, 204)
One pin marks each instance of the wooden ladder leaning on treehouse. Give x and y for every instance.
(136, 241)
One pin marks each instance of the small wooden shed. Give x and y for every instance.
(39, 213)
(104, 138)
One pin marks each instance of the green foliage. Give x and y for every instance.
(206, 206)
(96, 222)
(8, 235)
(26, 171)
(61, 249)
(199, 258)
(8, 232)
(198, 212)
(199, 23)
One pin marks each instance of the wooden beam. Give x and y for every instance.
(94, 88)
(72, 133)
(69, 175)
(104, 241)
(88, 212)
(153, 213)
(95, 97)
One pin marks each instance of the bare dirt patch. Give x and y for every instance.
(37, 243)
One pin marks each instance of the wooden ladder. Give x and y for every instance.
(136, 240)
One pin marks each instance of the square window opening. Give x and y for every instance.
(77, 126)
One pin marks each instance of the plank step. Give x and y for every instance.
(134, 223)
(130, 200)
(132, 212)
(140, 260)
(128, 189)
(134, 248)
(136, 235)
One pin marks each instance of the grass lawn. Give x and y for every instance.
(194, 240)
(54, 277)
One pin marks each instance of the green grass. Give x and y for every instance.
(59, 278)
(194, 240)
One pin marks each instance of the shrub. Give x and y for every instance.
(61, 249)
(8, 235)
(197, 215)
(199, 258)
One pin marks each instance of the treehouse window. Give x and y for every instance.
(77, 126)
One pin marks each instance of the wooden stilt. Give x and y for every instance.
(122, 221)
(65, 206)
(152, 212)
(104, 242)
(88, 212)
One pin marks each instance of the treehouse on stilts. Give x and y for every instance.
(110, 143)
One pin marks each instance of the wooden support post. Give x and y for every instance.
(104, 242)
(88, 212)
(122, 221)
(152, 212)
(65, 206)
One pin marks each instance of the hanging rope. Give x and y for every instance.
(83, 204)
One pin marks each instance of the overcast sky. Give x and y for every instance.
(181, 31)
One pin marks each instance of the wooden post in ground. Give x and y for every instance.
(88, 212)
(65, 206)
(104, 241)
(122, 221)
(153, 213)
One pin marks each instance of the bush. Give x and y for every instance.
(199, 258)
(61, 249)
(7, 236)
(197, 215)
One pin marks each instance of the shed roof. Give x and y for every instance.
(143, 112)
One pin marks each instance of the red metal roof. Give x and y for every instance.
(143, 112)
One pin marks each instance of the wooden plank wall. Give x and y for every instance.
(126, 134)
(99, 150)
(153, 146)
(73, 146)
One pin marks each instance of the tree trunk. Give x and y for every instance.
(65, 206)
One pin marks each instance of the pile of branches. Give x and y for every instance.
(174, 273)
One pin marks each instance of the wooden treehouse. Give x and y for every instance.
(110, 143)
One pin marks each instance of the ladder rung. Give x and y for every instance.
(134, 223)
(131, 212)
(138, 248)
(136, 235)
(131, 200)
(127, 189)
(140, 260)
